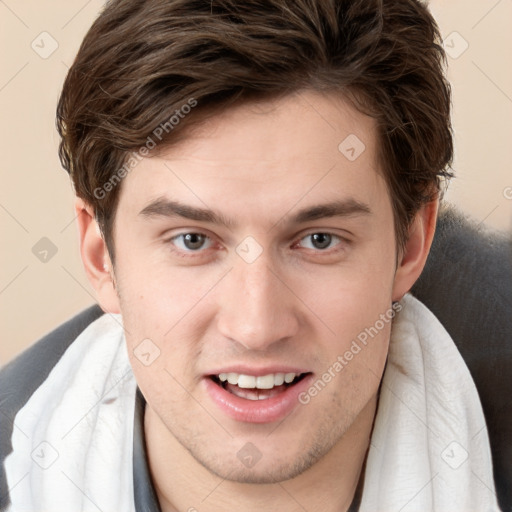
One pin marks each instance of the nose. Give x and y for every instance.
(256, 307)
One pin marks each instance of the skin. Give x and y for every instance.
(296, 304)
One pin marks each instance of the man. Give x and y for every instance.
(257, 191)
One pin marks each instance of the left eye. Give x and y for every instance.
(320, 240)
(191, 241)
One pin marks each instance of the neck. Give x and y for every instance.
(182, 483)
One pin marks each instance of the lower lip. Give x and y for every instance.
(257, 411)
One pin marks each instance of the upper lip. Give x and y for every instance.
(257, 372)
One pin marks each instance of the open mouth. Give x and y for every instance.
(257, 388)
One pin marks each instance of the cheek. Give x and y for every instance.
(350, 298)
(162, 360)
(162, 337)
(155, 296)
(356, 316)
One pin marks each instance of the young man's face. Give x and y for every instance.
(282, 287)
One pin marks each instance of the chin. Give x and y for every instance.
(269, 473)
(267, 466)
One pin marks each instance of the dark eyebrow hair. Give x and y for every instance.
(163, 207)
(342, 208)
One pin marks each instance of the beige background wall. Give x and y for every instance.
(36, 199)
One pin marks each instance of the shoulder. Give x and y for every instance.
(22, 376)
(467, 284)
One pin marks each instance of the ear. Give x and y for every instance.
(95, 258)
(413, 257)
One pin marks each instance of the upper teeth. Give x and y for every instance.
(263, 382)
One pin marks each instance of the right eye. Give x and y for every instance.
(191, 241)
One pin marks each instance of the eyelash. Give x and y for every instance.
(187, 253)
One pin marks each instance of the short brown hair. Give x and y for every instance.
(143, 60)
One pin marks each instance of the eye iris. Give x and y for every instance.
(193, 240)
(321, 240)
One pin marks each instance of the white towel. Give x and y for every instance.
(429, 449)
(73, 439)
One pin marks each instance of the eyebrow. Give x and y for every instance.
(163, 207)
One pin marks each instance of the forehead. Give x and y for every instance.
(270, 154)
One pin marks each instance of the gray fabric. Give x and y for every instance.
(467, 283)
(144, 493)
